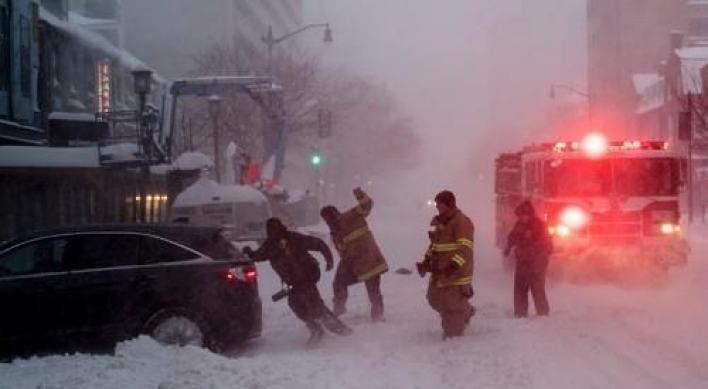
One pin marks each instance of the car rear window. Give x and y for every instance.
(156, 250)
(214, 245)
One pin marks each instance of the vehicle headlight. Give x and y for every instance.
(670, 228)
(574, 217)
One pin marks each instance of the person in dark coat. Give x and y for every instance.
(288, 253)
(532, 245)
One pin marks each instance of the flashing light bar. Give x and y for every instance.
(627, 145)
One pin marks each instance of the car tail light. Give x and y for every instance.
(247, 273)
(250, 273)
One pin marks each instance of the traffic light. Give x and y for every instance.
(316, 158)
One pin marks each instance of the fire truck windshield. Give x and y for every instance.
(577, 177)
(619, 176)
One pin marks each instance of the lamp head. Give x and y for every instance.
(142, 79)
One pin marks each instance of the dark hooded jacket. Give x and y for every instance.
(288, 253)
(531, 241)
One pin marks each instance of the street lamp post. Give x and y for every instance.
(552, 95)
(214, 111)
(270, 40)
(142, 83)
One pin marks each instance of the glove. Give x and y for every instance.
(329, 266)
(422, 268)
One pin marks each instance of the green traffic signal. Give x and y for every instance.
(315, 159)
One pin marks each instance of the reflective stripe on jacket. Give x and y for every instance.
(450, 252)
(355, 242)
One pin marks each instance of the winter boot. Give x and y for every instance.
(334, 325)
(339, 309)
(316, 334)
(377, 313)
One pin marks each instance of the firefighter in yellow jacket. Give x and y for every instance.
(449, 259)
(360, 257)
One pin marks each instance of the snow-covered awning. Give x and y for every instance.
(56, 157)
(96, 41)
(65, 157)
(650, 90)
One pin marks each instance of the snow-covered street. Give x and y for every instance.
(598, 336)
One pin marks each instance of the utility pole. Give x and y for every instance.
(214, 111)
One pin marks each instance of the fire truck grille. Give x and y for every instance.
(615, 228)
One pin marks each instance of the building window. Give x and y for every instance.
(698, 26)
(25, 67)
(4, 49)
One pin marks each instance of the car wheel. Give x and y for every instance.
(178, 327)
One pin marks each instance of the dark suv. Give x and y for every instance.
(93, 286)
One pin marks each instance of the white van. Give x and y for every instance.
(241, 210)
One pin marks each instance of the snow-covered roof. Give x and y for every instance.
(207, 191)
(96, 41)
(35, 156)
(192, 160)
(57, 157)
(693, 59)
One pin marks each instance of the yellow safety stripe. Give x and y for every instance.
(356, 234)
(443, 247)
(466, 242)
(459, 281)
(380, 268)
(458, 260)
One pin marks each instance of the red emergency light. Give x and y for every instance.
(596, 145)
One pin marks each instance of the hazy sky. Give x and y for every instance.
(465, 69)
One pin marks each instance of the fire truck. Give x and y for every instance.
(612, 207)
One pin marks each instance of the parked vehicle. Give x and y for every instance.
(90, 287)
(240, 210)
